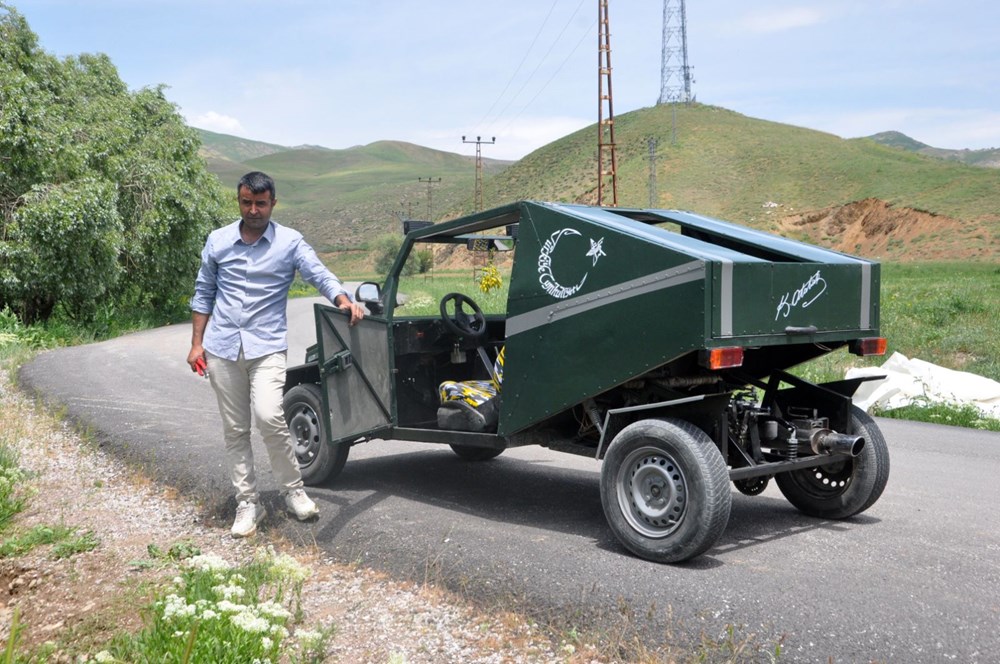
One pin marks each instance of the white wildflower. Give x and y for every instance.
(208, 562)
(175, 606)
(309, 639)
(272, 609)
(103, 656)
(267, 643)
(225, 606)
(229, 592)
(250, 622)
(288, 567)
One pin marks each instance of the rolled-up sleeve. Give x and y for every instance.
(206, 284)
(316, 274)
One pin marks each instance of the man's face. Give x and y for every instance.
(255, 209)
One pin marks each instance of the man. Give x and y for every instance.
(239, 327)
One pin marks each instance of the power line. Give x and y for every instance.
(519, 64)
(539, 65)
(545, 85)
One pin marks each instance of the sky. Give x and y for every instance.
(340, 73)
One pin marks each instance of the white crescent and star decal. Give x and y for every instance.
(545, 256)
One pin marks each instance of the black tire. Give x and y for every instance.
(470, 453)
(844, 488)
(319, 461)
(665, 490)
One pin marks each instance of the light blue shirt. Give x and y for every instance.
(244, 287)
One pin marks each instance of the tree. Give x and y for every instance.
(104, 200)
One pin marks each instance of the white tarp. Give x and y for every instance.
(908, 381)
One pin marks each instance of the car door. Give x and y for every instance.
(355, 371)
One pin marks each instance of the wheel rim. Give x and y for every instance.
(305, 429)
(826, 481)
(652, 492)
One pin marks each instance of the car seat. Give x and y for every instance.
(471, 405)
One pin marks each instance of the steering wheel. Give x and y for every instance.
(461, 323)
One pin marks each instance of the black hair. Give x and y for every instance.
(257, 183)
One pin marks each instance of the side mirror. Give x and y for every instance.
(369, 294)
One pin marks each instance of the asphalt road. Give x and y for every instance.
(914, 579)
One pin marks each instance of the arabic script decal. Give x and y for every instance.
(805, 295)
(547, 279)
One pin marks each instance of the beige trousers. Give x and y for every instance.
(256, 386)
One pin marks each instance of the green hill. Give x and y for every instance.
(987, 158)
(726, 164)
(232, 148)
(342, 198)
(853, 194)
(778, 177)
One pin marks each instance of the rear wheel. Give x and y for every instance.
(318, 459)
(470, 453)
(665, 490)
(844, 488)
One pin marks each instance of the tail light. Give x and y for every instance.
(869, 346)
(722, 358)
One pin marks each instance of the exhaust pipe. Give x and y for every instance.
(825, 441)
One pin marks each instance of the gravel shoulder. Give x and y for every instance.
(76, 604)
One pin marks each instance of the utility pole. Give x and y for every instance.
(606, 163)
(479, 168)
(429, 181)
(652, 172)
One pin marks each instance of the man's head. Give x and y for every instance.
(257, 183)
(256, 196)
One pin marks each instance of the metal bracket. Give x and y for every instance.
(339, 361)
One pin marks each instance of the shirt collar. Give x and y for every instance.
(235, 236)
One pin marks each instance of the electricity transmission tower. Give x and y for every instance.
(429, 181)
(675, 73)
(479, 168)
(606, 166)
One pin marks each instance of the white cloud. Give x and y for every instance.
(213, 121)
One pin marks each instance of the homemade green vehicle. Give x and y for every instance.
(656, 340)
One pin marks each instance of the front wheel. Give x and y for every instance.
(846, 487)
(319, 461)
(665, 490)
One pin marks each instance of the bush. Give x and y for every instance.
(385, 247)
(104, 200)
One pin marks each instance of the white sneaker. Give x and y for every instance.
(300, 504)
(248, 515)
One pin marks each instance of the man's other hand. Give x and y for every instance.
(353, 309)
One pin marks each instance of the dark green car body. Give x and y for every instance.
(611, 320)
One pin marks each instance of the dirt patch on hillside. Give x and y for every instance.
(876, 229)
